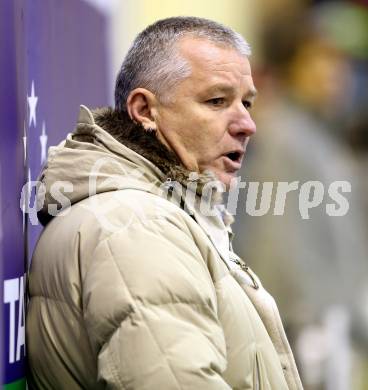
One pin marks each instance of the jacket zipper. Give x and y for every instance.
(245, 268)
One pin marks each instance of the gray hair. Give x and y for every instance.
(153, 61)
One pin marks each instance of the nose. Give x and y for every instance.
(242, 123)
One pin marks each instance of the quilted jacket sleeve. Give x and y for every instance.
(150, 310)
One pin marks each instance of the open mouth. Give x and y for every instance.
(234, 156)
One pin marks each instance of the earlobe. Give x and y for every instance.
(140, 104)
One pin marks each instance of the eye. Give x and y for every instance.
(247, 104)
(216, 101)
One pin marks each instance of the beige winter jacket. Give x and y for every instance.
(135, 286)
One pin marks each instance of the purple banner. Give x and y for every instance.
(53, 57)
(12, 178)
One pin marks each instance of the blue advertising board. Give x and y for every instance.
(53, 57)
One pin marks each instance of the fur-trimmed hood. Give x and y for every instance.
(132, 135)
(108, 151)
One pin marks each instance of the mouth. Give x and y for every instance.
(233, 159)
(234, 156)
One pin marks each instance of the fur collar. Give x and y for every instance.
(119, 125)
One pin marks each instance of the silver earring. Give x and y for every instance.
(150, 130)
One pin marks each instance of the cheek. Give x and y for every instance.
(201, 131)
(195, 130)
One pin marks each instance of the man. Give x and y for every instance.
(136, 286)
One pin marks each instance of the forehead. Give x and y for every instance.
(211, 64)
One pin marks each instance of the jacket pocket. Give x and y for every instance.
(256, 374)
(260, 381)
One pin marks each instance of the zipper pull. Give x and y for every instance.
(245, 268)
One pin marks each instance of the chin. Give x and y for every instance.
(226, 178)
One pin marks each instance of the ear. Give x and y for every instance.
(141, 105)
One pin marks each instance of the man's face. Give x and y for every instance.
(207, 122)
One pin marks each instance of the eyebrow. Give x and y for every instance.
(252, 93)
